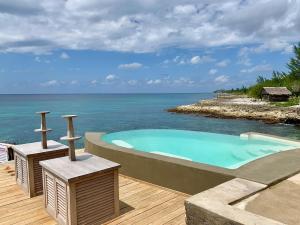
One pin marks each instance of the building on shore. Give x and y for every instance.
(275, 94)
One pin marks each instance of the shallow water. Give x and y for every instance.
(116, 112)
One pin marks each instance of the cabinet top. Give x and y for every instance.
(85, 165)
(31, 149)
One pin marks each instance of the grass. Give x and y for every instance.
(291, 102)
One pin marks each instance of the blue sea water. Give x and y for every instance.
(116, 112)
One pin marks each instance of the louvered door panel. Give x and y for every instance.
(24, 173)
(50, 193)
(37, 170)
(95, 199)
(18, 169)
(62, 202)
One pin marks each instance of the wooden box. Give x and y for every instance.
(28, 169)
(85, 191)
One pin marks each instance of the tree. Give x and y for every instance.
(260, 79)
(296, 88)
(294, 63)
(289, 79)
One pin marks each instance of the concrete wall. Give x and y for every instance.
(176, 174)
(196, 215)
(214, 206)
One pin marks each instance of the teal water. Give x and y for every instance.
(116, 112)
(228, 151)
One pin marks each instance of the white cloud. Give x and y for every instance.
(167, 81)
(132, 82)
(50, 83)
(155, 81)
(195, 59)
(271, 46)
(73, 82)
(64, 55)
(212, 71)
(166, 61)
(183, 81)
(201, 59)
(184, 60)
(176, 59)
(180, 60)
(37, 59)
(184, 9)
(146, 26)
(258, 68)
(132, 66)
(222, 79)
(40, 60)
(243, 56)
(111, 77)
(223, 63)
(94, 82)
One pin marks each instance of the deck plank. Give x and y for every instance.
(140, 203)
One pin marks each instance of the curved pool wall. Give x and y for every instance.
(222, 150)
(190, 177)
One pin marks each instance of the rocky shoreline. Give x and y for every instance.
(242, 108)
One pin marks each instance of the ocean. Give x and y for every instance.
(116, 112)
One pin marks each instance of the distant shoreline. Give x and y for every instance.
(107, 93)
(241, 108)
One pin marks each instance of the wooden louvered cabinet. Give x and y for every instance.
(85, 191)
(28, 170)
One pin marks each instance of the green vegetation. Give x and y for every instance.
(290, 79)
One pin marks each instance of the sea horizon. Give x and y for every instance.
(116, 93)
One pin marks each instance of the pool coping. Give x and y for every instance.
(266, 170)
(215, 206)
(270, 137)
(272, 168)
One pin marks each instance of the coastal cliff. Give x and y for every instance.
(242, 108)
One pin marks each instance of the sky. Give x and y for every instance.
(143, 46)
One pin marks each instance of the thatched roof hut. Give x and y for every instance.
(275, 93)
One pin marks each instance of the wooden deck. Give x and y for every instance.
(140, 203)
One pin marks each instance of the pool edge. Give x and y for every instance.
(256, 135)
(190, 177)
(177, 174)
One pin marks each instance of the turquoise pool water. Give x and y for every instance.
(221, 150)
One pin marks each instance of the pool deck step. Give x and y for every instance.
(248, 154)
(140, 203)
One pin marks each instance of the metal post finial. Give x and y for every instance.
(71, 138)
(43, 128)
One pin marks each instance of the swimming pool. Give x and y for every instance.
(227, 151)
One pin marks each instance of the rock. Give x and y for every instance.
(224, 109)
